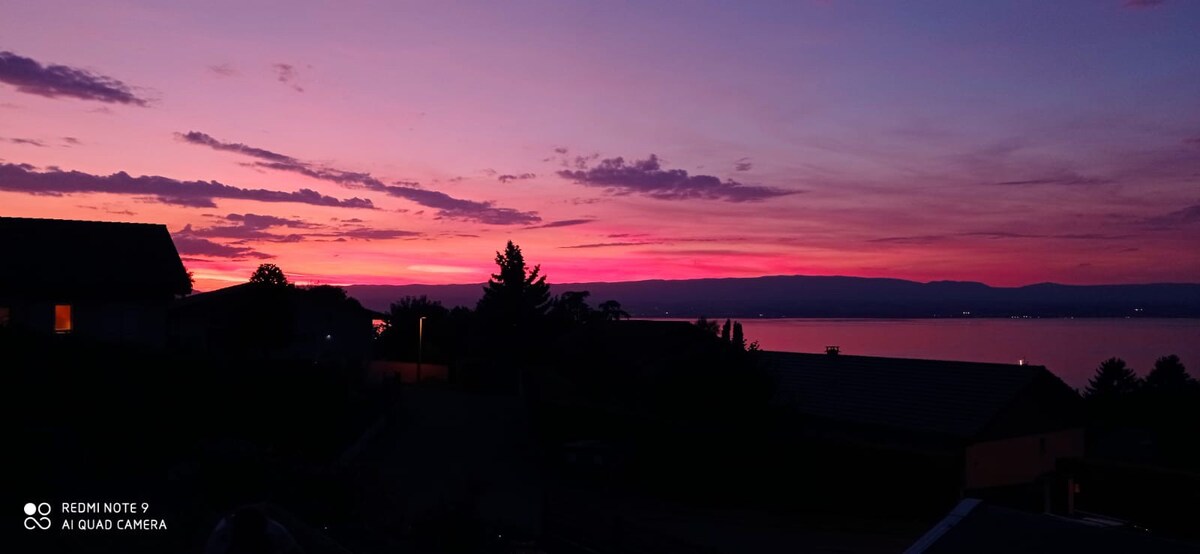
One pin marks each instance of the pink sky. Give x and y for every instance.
(999, 143)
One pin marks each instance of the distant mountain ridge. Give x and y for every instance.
(814, 296)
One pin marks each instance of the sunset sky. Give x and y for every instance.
(359, 142)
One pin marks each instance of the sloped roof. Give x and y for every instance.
(936, 397)
(974, 526)
(56, 257)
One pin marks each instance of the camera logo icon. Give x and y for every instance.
(37, 516)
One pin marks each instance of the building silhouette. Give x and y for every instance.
(100, 281)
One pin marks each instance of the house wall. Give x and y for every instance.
(1019, 460)
(132, 322)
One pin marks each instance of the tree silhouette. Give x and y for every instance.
(270, 275)
(710, 327)
(1113, 380)
(739, 340)
(400, 339)
(516, 295)
(571, 307)
(1168, 375)
(413, 308)
(610, 310)
(725, 330)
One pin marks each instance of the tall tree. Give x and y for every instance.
(725, 330)
(270, 275)
(739, 340)
(1113, 380)
(516, 295)
(1168, 375)
(710, 327)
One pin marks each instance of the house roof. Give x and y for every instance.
(75, 258)
(974, 526)
(935, 397)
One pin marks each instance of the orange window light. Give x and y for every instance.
(62, 318)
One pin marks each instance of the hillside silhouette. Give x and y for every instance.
(813, 296)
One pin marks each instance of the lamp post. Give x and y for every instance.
(420, 345)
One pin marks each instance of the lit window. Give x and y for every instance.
(62, 318)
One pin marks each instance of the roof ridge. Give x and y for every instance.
(89, 221)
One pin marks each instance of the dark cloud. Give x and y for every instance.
(561, 223)
(448, 207)
(521, 177)
(24, 178)
(648, 178)
(743, 165)
(189, 244)
(28, 142)
(71, 141)
(1140, 4)
(560, 150)
(287, 74)
(54, 81)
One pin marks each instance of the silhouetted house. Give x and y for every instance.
(97, 280)
(975, 526)
(317, 324)
(981, 426)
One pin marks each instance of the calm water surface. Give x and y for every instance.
(1071, 348)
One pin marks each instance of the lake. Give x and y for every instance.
(1071, 348)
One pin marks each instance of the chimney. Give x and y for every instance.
(833, 350)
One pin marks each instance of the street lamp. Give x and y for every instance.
(420, 344)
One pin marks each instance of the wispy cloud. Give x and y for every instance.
(1142, 4)
(223, 70)
(609, 244)
(190, 244)
(912, 239)
(60, 81)
(27, 142)
(26, 179)
(520, 177)
(561, 223)
(286, 73)
(648, 178)
(743, 164)
(375, 234)
(447, 206)
(196, 137)
(1177, 218)
(254, 227)
(1065, 179)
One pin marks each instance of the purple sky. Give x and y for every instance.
(1006, 142)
